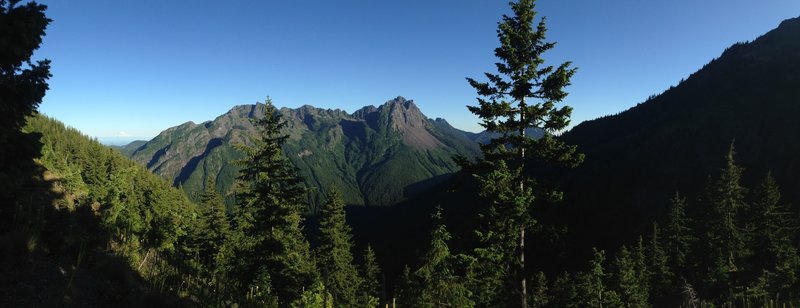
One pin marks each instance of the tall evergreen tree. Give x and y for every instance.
(592, 288)
(500, 236)
(270, 200)
(214, 228)
(540, 296)
(371, 273)
(438, 284)
(630, 276)
(659, 276)
(775, 226)
(564, 292)
(725, 237)
(22, 87)
(523, 95)
(334, 256)
(678, 235)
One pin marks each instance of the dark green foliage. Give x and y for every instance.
(592, 290)
(436, 283)
(22, 86)
(209, 243)
(371, 273)
(333, 253)
(631, 276)
(522, 95)
(678, 235)
(540, 296)
(725, 239)
(500, 233)
(106, 221)
(564, 292)
(658, 276)
(775, 255)
(270, 200)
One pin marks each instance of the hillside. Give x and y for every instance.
(94, 229)
(637, 159)
(376, 156)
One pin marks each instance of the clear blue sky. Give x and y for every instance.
(135, 68)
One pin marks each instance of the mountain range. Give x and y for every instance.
(376, 156)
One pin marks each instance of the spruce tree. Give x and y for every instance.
(540, 296)
(678, 236)
(522, 95)
(629, 276)
(22, 87)
(726, 240)
(592, 290)
(438, 284)
(660, 276)
(564, 292)
(270, 199)
(776, 257)
(215, 228)
(371, 273)
(334, 256)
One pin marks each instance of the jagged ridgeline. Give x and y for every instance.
(376, 156)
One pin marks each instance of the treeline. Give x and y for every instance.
(733, 247)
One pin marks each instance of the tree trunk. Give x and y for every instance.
(522, 190)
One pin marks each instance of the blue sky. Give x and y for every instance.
(126, 70)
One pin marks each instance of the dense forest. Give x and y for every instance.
(81, 224)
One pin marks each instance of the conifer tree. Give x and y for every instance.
(591, 289)
(438, 284)
(523, 95)
(270, 200)
(540, 296)
(500, 235)
(214, 228)
(564, 292)
(630, 275)
(660, 276)
(678, 235)
(776, 257)
(371, 273)
(334, 256)
(726, 240)
(22, 87)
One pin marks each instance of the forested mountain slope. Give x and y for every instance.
(375, 156)
(637, 159)
(95, 230)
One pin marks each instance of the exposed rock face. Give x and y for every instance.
(375, 156)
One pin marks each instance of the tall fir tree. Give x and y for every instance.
(270, 200)
(371, 274)
(592, 290)
(659, 276)
(214, 232)
(678, 236)
(22, 87)
(523, 95)
(540, 296)
(726, 240)
(564, 292)
(436, 280)
(775, 227)
(334, 256)
(630, 275)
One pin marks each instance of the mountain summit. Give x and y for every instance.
(376, 156)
